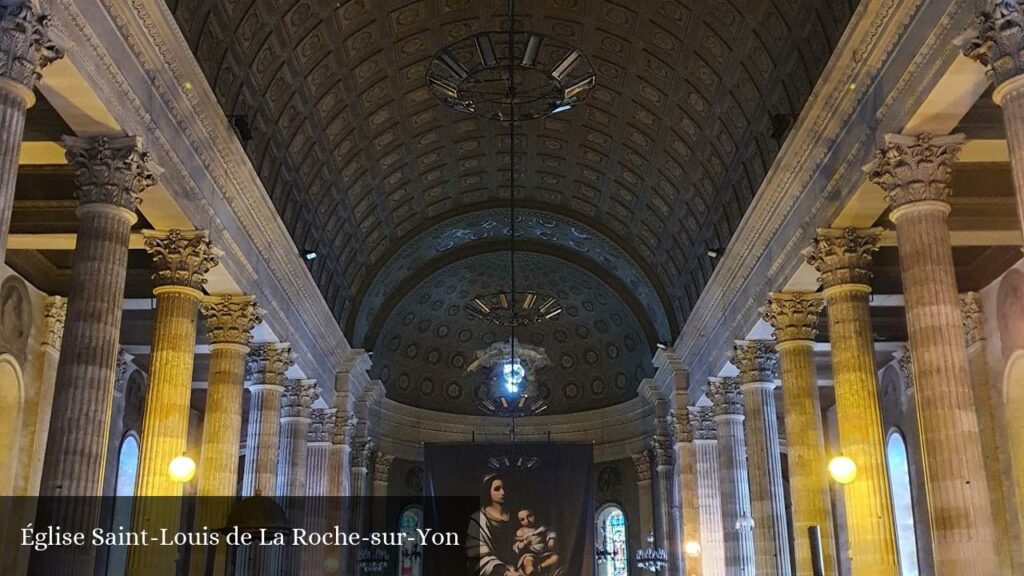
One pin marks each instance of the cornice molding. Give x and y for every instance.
(820, 163)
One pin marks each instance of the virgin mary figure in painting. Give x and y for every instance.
(489, 536)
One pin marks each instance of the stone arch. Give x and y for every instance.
(15, 317)
(1010, 312)
(12, 394)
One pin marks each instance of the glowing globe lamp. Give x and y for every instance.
(842, 469)
(692, 548)
(512, 373)
(182, 469)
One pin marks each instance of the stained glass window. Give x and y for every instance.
(902, 503)
(611, 544)
(124, 489)
(410, 557)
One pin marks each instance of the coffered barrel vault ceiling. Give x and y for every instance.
(656, 168)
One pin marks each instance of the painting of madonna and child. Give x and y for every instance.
(533, 514)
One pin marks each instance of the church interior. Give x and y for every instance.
(742, 279)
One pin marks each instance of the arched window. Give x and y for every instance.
(613, 555)
(124, 489)
(410, 557)
(902, 502)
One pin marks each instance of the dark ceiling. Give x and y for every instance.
(662, 160)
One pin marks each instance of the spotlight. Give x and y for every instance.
(712, 253)
(663, 346)
(309, 255)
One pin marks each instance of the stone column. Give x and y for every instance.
(109, 175)
(915, 172)
(267, 365)
(756, 362)
(734, 486)
(318, 447)
(705, 445)
(642, 463)
(992, 429)
(669, 528)
(689, 498)
(843, 258)
(996, 41)
(26, 47)
(54, 312)
(795, 319)
(296, 404)
(230, 320)
(339, 459)
(182, 260)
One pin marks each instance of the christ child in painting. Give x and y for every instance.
(535, 546)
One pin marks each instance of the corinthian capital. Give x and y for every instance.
(756, 361)
(996, 40)
(267, 363)
(231, 318)
(915, 168)
(971, 314)
(26, 44)
(109, 170)
(344, 429)
(55, 310)
(642, 463)
(684, 427)
(905, 364)
(382, 466)
(702, 421)
(298, 397)
(321, 425)
(793, 315)
(843, 256)
(181, 258)
(726, 397)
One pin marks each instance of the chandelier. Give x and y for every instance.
(514, 308)
(510, 76)
(651, 558)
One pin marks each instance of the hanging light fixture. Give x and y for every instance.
(651, 558)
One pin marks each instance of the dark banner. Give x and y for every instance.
(535, 515)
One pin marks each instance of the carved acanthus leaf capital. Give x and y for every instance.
(268, 362)
(109, 170)
(844, 256)
(298, 398)
(684, 427)
(55, 311)
(915, 168)
(905, 364)
(181, 258)
(973, 319)
(996, 40)
(231, 318)
(124, 368)
(702, 421)
(726, 396)
(642, 463)
(382, 466)
(362, 454)
(321, 425)
(793, 315)
(344, 429)
(26, 43)
(756, 360)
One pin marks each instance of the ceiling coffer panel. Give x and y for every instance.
(663, 157)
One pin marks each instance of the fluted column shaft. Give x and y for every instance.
(756, 362)
(958, 498)
(795, 317)
(843, 258)
(109, 176)
(686, 456)
(668, 500)
(808, 463)
(734, 486)
(26, 48)
(733, 479)
(709, 502)
(642, 464)
(915, 172)
(768, 504)
(318, 449)
(222, 426)
(262, 440)
(296, 405)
